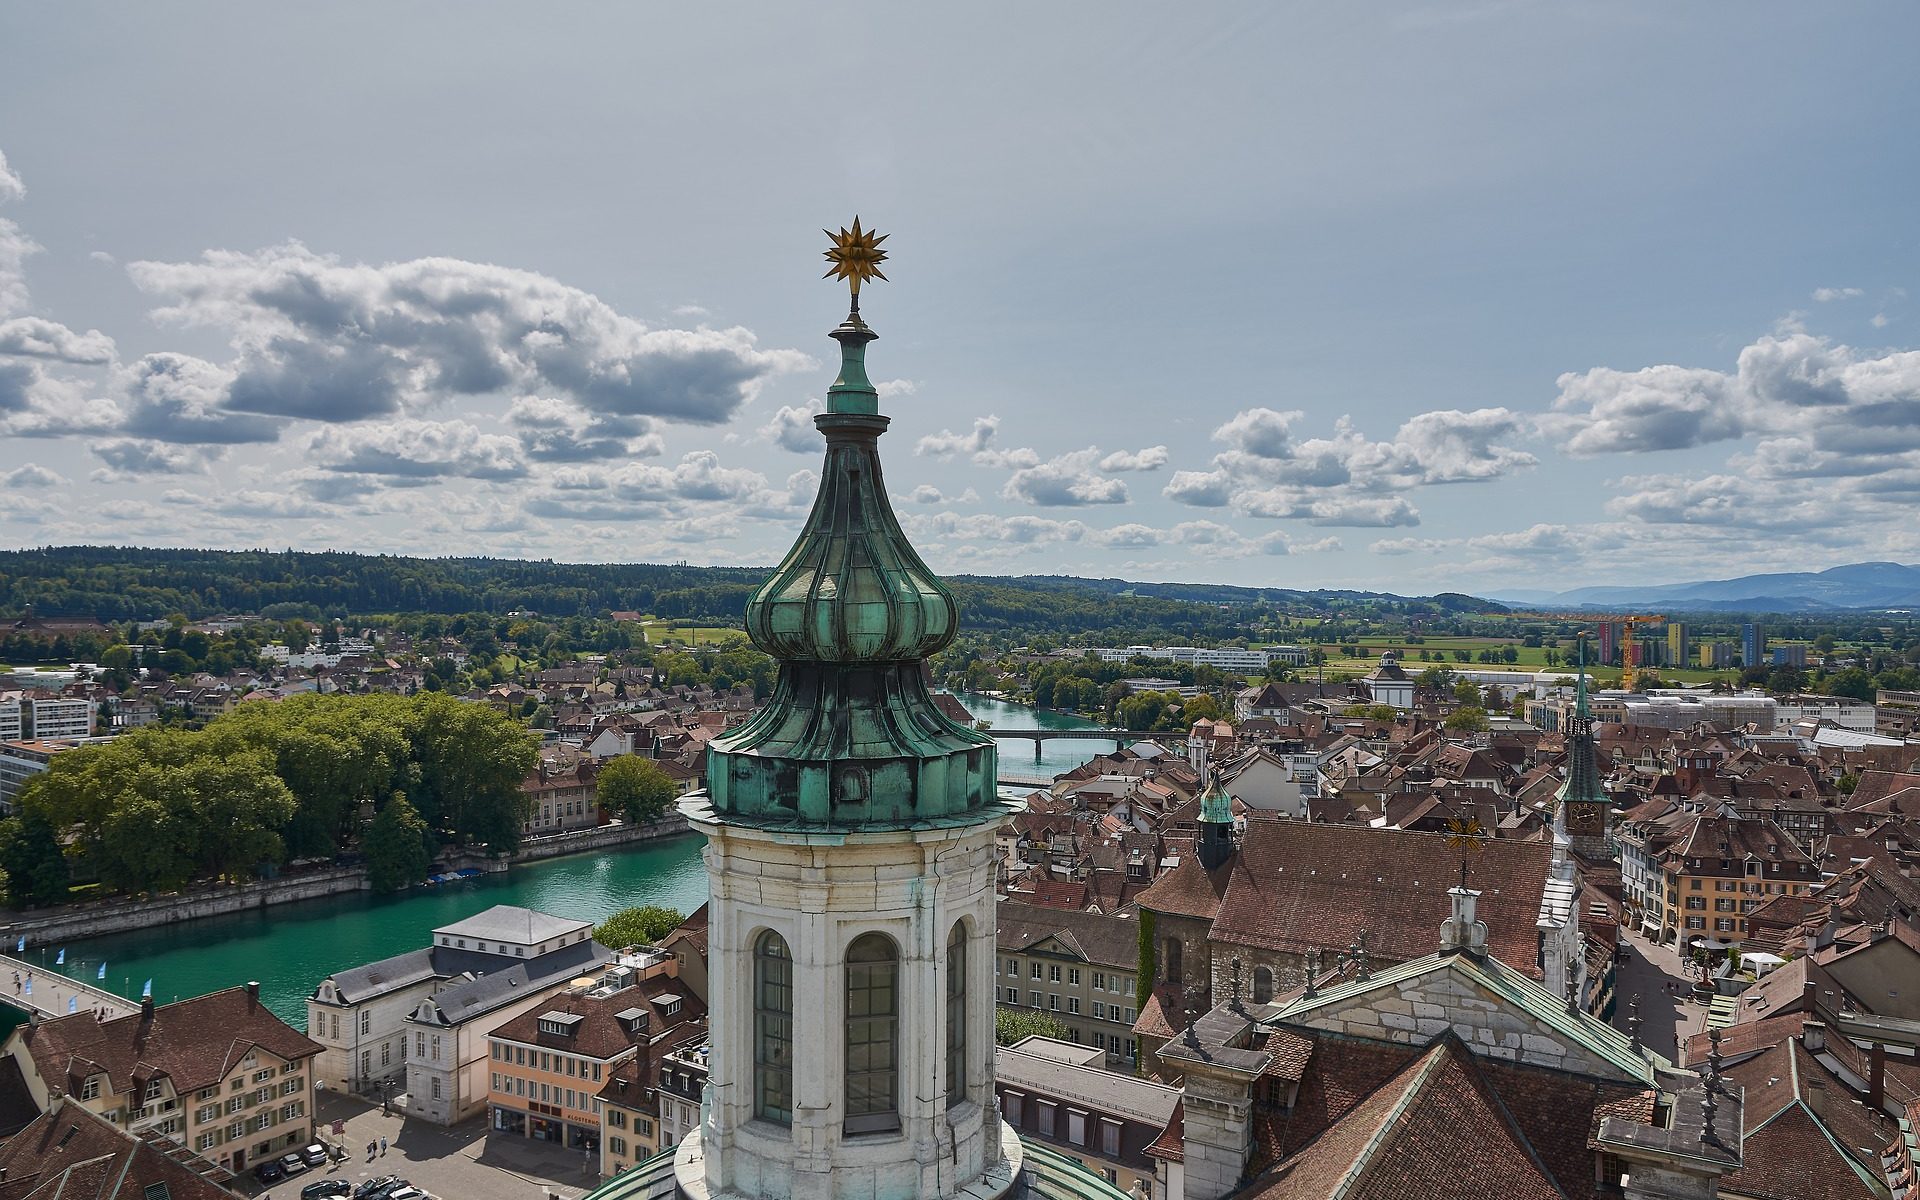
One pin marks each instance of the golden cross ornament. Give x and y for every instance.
(856, 257)
(1465, 835)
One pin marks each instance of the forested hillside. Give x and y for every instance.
(120, 584)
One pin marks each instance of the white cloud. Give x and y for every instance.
(792, 428)
(1788, 383)
(178, 398)
(1150, 459)
(1202, 489)
(128, 458)
(1827, 295)
(417, 450)
(11, 188)
(32, 475)
(327, 340)
(553, 429)
(36, 404)
(947, 443)
(36, 337)
(1067, 481)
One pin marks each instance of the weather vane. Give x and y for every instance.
(1467, 836)
(856, 257)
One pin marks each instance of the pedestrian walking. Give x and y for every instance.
(383, 1147)
(369, 1151)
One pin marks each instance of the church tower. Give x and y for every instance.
(1584, 811)
(850, 856)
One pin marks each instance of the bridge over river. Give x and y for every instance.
(1119, 737)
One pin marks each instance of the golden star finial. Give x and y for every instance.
(856, 257)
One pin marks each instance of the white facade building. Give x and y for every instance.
(59, 718)
(410, 1024)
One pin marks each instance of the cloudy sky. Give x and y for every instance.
(1472, 295)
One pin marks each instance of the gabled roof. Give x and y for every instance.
(195, 1043)
(1806, 1137)
(1295, 886)
(1507, 986)
(1437, 1130)
(72, 1154)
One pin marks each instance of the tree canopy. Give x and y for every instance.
(642, 926)
(271, 782)
(635, 787)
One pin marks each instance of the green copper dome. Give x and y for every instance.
(850, 737)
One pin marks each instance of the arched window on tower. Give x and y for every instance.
(957, 1013)
(772, 1029)
(1172, 959)
(873, 1019)
(1262, 986)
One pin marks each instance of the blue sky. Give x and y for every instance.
(1480, 296)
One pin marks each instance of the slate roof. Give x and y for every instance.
(1102, 939)
(195, 1043)
(482, 994)
(1295, 887)
(511, 923)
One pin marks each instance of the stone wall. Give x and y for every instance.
(582, 841)
(121, 916)
(1423, 1007)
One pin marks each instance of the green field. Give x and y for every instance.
(667, 633)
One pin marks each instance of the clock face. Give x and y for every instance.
(1586, 819)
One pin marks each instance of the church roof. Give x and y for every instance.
(1436, 1130)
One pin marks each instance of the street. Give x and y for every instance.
(460, 1163)
(1653, 974)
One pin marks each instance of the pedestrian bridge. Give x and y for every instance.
(55, 995)
(1119, 737)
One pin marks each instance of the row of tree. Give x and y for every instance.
(309, 777)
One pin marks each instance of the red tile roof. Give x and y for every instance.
(1295, 887)
(1436, 1130)
(196, 1043)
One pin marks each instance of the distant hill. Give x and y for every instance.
(1868, 585)
(115, 583)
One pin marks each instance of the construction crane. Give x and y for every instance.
(1630, 671)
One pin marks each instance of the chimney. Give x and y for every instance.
(146, 1008)
(1813, 1036)
(253, 993)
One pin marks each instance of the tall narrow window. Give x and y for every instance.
(957, 1013)
(772, 1029)
(1172, 959)
(1262, 986)
(873, 978)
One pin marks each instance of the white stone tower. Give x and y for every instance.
(850, 854)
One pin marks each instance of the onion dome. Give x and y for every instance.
(852, 589)
(850, 737)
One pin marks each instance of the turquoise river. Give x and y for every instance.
(291, 947)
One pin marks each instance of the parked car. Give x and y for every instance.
(292, 1163)
(380, 1183)
(315, 1154)
(394, 1189)
(326, 1189)
(270, 1172)
(408, 1192)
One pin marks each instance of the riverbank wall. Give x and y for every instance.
(122, 916)
(216, 900)
(574, 841)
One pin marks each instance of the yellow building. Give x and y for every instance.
(218, 1073)
(1724, 868)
